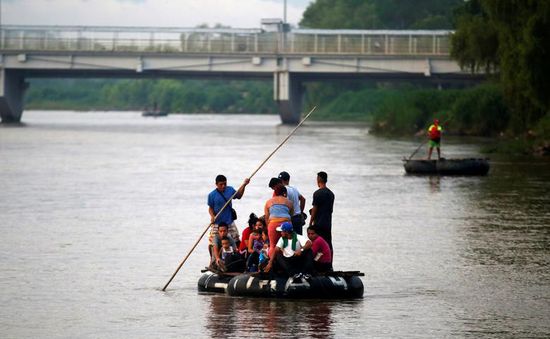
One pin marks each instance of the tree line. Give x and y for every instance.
(175, 96)
(508, 40)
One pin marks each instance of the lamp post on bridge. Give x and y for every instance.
(1, 32)
(284, 27)
(284, 12)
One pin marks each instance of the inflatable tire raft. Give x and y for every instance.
(337, 286)
(212, 282)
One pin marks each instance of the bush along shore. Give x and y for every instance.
(169, 95)
(476, 111)
(391, 110)
(505, 40)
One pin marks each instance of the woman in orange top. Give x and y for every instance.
(277, 210)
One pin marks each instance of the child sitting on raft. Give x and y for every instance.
(259, 246)
(225, 253)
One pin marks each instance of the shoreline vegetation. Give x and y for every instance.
(391, 110)
(507, 41)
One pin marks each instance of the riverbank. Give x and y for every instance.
(532, 144)
(478, 111)
(391, 109)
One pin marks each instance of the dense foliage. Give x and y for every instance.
(511, 38)
(365, 100)
(507, 39)
(474, 111)
(380, 14)
(189, 96)
(405, 109)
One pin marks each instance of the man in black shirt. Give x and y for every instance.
(321, 213)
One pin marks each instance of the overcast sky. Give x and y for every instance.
(167, 13)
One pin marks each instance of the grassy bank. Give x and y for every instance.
(476, 111)
(392, 110)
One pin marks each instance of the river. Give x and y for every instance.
(98, 209)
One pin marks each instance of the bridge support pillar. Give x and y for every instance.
(287, 92)
(12, 87)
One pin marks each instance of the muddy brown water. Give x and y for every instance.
(98, 209)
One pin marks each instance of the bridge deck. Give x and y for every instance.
(233, 41)
(289, 57)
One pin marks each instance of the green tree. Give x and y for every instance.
(379, 14)
(510, 38)
(480, 111)
(360, 99)
(167, 94)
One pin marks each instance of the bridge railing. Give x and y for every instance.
(223, 41)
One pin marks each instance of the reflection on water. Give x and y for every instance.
(97, 210)
(435, 184)
(245, 317)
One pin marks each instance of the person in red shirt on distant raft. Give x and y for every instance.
(434, 134)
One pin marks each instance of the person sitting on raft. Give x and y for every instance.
(215, 259)
(225, 254)
(292, 254)
(263, 259)
(243, 246)
(257, 249)
(255, 235)
(263, 254)
(322, 256)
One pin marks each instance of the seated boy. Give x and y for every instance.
(322, 257)
(292, 253)
(225, 253)
(215, 251)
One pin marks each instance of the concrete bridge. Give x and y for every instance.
(289, 57)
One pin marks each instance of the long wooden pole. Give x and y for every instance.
(228, 201)
(416, 150)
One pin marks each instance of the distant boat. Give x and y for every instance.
(471, 166)
(154, 113)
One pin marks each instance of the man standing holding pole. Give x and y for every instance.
(321, 213)
(216, 200)
(434, 134)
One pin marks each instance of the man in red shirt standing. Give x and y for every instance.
(434, 134)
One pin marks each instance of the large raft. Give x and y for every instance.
(333, 285)
(470, 166)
